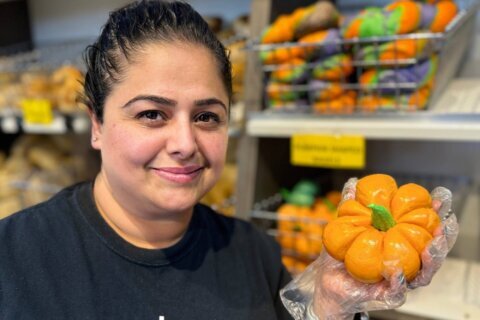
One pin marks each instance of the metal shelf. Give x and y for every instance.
(455, 117)
(11, 122)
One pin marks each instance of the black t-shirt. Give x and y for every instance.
(60, 260)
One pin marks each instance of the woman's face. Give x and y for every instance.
(163, 139)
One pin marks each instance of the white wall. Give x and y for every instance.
(228, 9)
(61, 20)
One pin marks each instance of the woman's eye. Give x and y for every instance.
(208, 117)
(150, 115)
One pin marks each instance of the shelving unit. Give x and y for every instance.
(39, 113)
(43, 60)
(444, 140)
(455, 117)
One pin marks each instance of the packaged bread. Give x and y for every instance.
(67, 85)
(35, 85)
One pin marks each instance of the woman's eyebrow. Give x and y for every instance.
(210, 101)
(152, 98)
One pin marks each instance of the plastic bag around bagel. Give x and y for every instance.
(325, 290)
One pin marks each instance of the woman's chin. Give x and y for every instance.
(177, 205)
(174, 200)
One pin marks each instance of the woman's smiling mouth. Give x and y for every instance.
(182, 175)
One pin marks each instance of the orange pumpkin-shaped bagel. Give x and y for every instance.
(384, 229)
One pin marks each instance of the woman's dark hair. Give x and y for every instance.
(138, 24)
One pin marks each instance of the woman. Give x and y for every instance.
(134, 244)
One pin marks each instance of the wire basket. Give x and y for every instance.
(362, 75)
(297, 229)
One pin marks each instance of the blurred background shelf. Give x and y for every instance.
(455, 117)
(441, 140)
(11, 122)
(396, 141)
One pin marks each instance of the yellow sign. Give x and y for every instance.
(37, 111)
(328, 151)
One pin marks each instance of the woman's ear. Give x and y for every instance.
(96, 130)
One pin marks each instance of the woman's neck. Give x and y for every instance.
(161, 231)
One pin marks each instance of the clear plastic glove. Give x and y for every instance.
(443, 241)
(325, 290)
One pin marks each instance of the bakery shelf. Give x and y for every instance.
(455, 117)
(11, 122)
(451, 122)
(299, 77)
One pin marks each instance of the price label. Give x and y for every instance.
(37, 111)
(328, 151)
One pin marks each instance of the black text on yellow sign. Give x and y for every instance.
(328, 151)
(37, 111)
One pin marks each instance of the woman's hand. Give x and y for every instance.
(443, 241)
(325, 290)
(338, 296)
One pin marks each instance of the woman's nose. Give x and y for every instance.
(181, 143)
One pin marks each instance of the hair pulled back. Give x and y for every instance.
(138, 24)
